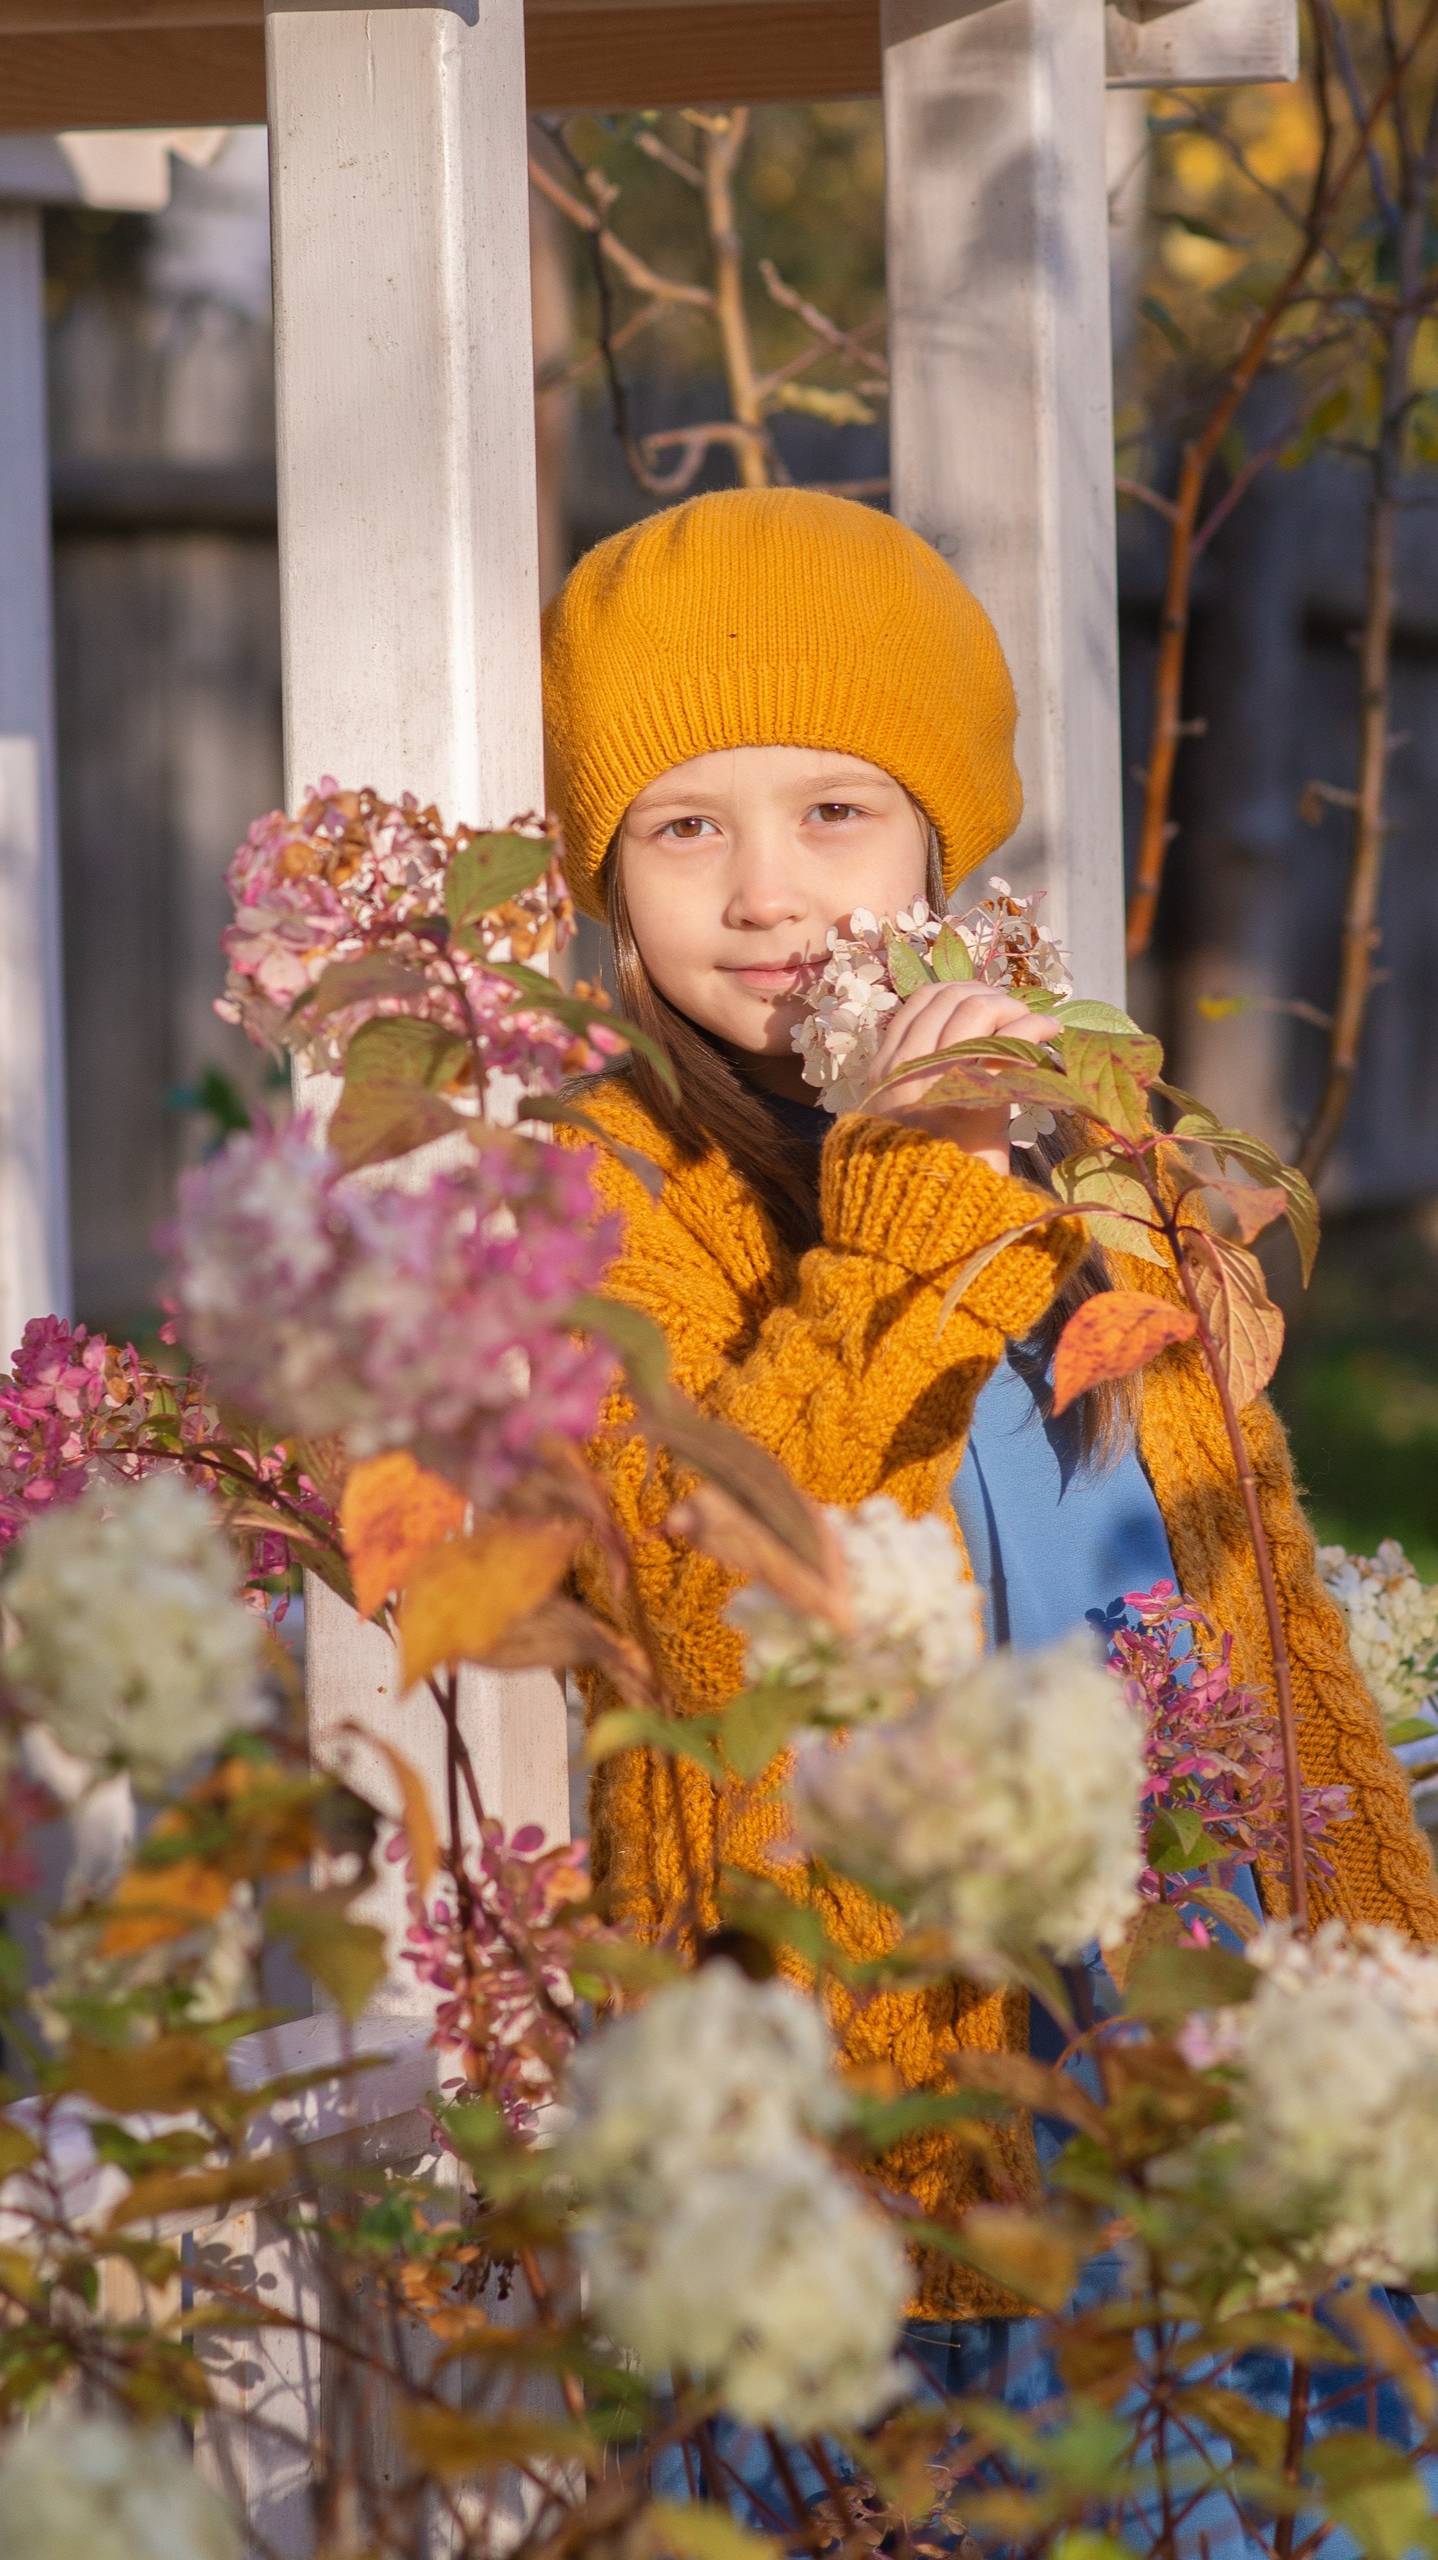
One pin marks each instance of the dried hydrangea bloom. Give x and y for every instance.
(1001, 1812)
(714, 2231)
(135, 1648)
(1329, 2168)
(436, 1320)
(76, 2488)
(850, 1001)
(1392, 1626)
(915, 1624)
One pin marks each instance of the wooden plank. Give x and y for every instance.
(1201, 43)
(34, 1202)
(1002, 434)
(160, 64)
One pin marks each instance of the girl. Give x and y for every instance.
(765, 709)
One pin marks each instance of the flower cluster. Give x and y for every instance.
(1212, 1744)
(98, 1973)
(1329, 2164)
(1001, 1812)
(997, 941)
(717, 2234)
(500, 1953)
(135, 1647)
(86, 2489)
(1392, 1628)
(915, 1625)
(357, 884)
(77, 1410)
(436, 1320)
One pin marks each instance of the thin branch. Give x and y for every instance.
(816, 320)
(635, 270)
(721, 151)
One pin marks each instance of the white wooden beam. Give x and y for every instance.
(1002, 431)
(34, 1206)
(409, 572)
(1201, 43)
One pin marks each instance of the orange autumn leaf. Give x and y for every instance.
(152, 1905)
(1113, 1334)
(416, 1818)
(392, 1511)
(462, 1599)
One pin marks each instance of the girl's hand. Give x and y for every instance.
(934, 1018)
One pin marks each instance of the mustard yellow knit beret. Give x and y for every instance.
(774, 617)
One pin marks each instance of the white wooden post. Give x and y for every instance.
(1002, 411)
(409, 572)
(34, 1207)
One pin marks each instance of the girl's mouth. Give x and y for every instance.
(777, 978)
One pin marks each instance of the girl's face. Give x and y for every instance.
(735, 865)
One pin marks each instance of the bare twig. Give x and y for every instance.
(723, 142)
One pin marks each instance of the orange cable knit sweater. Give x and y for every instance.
(834, 1363)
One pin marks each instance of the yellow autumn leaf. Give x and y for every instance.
(462, 1599)
(392, 1511)
(1113, 1334)
(152, 1905)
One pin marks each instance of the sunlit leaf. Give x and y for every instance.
(677, 1737)
(450, 2446)
(1110, 1336)
(701, 2532)
(365, 979)
(1121, 1216)
(1167, 1983)
(578, 1014)
(1106, 1073)
(487, 870)
(950, 957)
(167, 2076)
(1021, 2251)
(907, 970)
(392, 1511)
(347, 1958)
(416, 1817)
(392, 1102)
(462, 1598)
(1243, 1323)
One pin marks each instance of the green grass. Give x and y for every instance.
(1358, 1386)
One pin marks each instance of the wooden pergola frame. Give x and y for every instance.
(408, 541)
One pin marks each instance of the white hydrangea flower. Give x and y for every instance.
(1332, 2166)
(214, 1964)
(850, 1000)
(715, 2233)
(87, 2489)
(916, 1624)
(1002, 1811)
(1392, 1625)
(135, 1647)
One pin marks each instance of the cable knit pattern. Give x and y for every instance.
(835, 1364)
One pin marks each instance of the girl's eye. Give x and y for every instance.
(841, 808)
(673, 826)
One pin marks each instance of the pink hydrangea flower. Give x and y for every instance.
(353, 877)
(438, 1320)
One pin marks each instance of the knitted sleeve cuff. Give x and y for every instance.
(922, 1203)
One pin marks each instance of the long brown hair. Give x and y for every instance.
(716, 1106)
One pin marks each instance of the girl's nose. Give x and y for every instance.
(763, 891)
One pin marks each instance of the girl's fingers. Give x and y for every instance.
(937, 1017)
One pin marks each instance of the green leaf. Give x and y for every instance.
(641, 1345)
(1090, 1013)
(949, 957)
(1179, 1839)
(578, 1014)
(359, 981)
(1094, 1183)
(1257, 2434)
(1167, 1984)
(701, 2532)
(1106, 1074)
(907, 970)
(347, 1958)
(392, 1100)
(489, 869)
(678, 1738)
(757, 1725)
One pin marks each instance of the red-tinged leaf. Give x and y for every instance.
(1106, 1073)
(1253, 1207)
(1120, 1215)
(392, 1102)
(363, 980)
(392, 1511)
(1112, 1335)
(1245, 1325)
